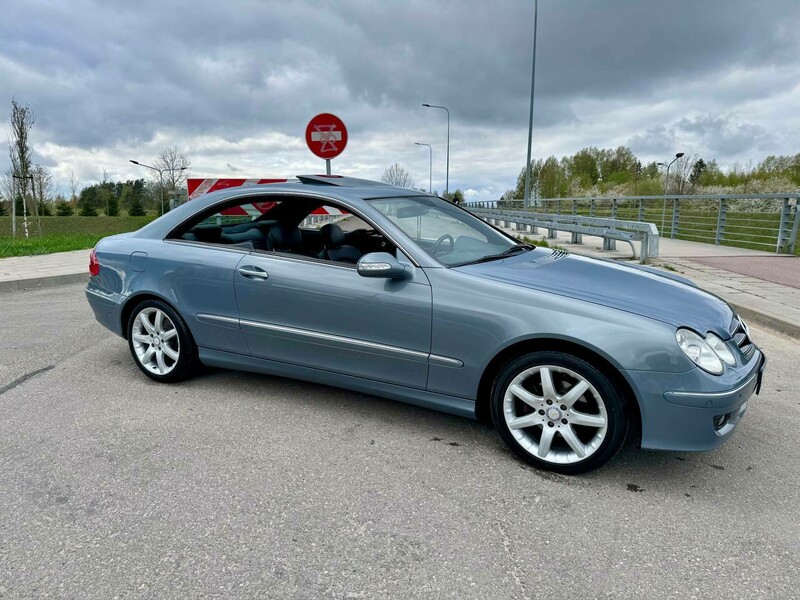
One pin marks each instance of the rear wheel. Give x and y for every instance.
(160, 342)
(558, 412)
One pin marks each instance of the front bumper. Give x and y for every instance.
(676, 417)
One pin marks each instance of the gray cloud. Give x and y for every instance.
(114, 76)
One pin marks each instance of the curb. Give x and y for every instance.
(17, 285)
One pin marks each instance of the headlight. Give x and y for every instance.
(720, 349)
(699, 352)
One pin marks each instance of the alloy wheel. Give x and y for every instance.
(555, 414)
(155, 341)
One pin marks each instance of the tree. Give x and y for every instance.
(679, 173)
(89, 201)
(22, 120)
(136, 208)
(457, 197)
(173, 165)
(547, 176)
(112, 207)
(698, 168)
(398, 176)
(43, 188)
(64, 208)
(74, 184)
(8, 188)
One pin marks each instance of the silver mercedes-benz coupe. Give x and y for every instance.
(406, 296)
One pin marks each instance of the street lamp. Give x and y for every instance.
(430, 166)
(666, 182)
(527, 197)
(160, 177)
(447, 172)
(24, 207)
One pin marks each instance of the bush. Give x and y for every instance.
(3, 211)
(87, 210)
(64, 209)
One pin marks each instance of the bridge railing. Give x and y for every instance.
(757, 221)
(611, 230)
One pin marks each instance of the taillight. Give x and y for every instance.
(94, 264)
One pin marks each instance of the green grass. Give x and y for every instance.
(61, 234)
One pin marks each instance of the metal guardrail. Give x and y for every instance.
(759, 221)
(609, 229)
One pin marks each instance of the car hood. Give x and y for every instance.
(629, 288)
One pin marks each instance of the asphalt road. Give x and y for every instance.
(239, 485)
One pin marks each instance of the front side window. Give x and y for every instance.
(450, 235)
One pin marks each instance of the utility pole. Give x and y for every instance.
(530, 115)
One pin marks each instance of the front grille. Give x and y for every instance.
(741, 337)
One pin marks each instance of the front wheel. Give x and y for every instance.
(558, 412)
(160, 342)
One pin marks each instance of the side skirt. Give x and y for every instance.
(448, 404)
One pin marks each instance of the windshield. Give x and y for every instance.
(450, 235)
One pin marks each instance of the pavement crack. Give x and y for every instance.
(24, 378)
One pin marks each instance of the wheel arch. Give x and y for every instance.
(526, 346)
(134, 300)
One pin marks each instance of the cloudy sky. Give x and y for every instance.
(234, 83)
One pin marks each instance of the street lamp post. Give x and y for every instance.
(527, 197)
(447, 171)
(24, 206)
(160, 178)
(666, 182)
(430, 165)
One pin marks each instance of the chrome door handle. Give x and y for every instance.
(253, 273)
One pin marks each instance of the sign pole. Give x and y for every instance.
(327, 166)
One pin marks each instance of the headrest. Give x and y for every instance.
(283, 235)
(332, 235)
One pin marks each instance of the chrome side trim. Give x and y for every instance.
(212, 318)
(435, 359)
(445, 361)
(405, 352)
(716, 394)
(272, 254)
(208, 245)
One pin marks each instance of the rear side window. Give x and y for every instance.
(243, 213)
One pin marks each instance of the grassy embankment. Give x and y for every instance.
(60, 234)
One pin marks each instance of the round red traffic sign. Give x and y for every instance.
(326, 135)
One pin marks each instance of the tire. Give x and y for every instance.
(558, 412)
(162, 355)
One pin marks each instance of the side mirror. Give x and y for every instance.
(381, 264)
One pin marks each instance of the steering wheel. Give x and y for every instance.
(437, 246)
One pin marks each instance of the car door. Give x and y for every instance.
(326, 316)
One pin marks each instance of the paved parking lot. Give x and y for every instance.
(240, 485)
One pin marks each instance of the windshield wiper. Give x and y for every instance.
(516, 248)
